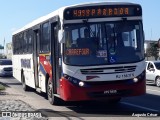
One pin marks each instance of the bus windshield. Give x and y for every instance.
(103, 43)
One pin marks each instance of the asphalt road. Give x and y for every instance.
(144, 106)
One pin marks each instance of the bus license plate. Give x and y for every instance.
(110, 91)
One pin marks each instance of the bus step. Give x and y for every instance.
(38, 90)
(57, 95)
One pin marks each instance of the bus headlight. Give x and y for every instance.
(139, 77)
(76, 81)
(81, 84)
(135, 80)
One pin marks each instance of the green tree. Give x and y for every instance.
(153, 50)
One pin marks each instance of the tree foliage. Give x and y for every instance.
(153, 50)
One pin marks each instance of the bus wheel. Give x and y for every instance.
(25, 87)
(52, 99)
(158, 81)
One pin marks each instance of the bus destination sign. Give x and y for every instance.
(102, 11)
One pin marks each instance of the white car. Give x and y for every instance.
(153, 72)
(5, 67)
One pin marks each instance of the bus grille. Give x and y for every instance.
(7, 69)
(109, 70)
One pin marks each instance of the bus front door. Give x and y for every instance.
(56, 59)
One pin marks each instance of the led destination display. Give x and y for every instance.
(102, 11)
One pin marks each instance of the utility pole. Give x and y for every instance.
(151, 40)
(3, 45)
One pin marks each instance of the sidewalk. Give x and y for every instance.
(13, 100)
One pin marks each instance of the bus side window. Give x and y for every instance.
(30, 41)
(45, 41)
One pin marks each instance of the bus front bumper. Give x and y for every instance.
(70, 92)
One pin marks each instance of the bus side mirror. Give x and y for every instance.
(61, 36)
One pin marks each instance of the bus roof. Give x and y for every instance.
(60, 12)
(37, 21)
(103, 3)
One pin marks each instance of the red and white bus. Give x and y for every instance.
(91, 51)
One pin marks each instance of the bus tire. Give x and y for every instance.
(52, 99)
(25, 87)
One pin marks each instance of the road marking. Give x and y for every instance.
(153, 90)
(140, 107)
